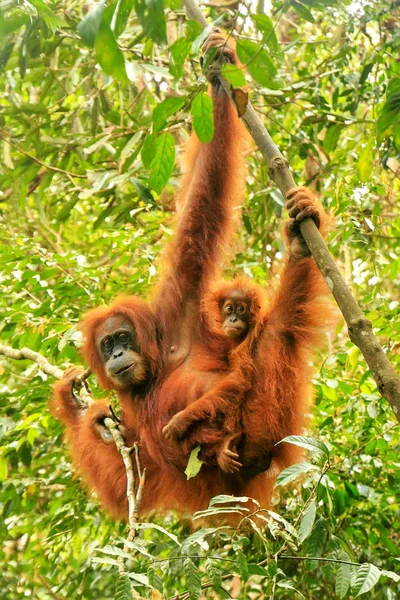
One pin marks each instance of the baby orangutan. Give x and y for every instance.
(231, 311)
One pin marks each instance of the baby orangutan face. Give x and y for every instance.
(235, 315)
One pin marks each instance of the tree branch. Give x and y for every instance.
(134, 499)
(360, 329)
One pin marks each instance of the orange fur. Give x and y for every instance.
(185, 357)
(188, 357)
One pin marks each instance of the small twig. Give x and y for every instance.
(331, 560)
(40, 162)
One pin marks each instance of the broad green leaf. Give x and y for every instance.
(154, 579)
(89, 26)
(152, 19)
(223, 498)
(121, 16)
(179, 51)
(391, 574)
(266, 27)
(49, 17)
(214, 573)
(149, 150)
(294, 471)
(123, 590)
(317, 539)
(3, 469)
(166, 109)
(307, 522)
(162, 164)
(367, 577)
(257, 61)
(365, 162)
(389, 117)
(194, 463)
(332, 136)
(242, 566)
(108, 53)
(310, 444)
(234, 75)
(203, 118)
(343, 578)
(302, 11)
(146, 526)
(193, 579)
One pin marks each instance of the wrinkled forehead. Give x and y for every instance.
(115, 323)
(236, 295)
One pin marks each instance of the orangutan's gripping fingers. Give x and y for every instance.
(309, 212)
(71, 374)
(300, 191)
(297, 204)
(217, 41)
(176, 428)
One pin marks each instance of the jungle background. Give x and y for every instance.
(96, 103)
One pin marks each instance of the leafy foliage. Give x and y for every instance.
(95, 106)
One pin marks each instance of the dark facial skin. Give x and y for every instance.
(119, 350)
(235, 315)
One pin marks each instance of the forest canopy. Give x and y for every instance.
(97, 102)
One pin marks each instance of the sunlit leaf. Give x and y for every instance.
(203, 119)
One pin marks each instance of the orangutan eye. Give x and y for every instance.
(228, 309)
(240, 310)
(107, 344)
(123, 338)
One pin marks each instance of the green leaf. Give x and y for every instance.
(194, 464)
(193, 579)
(259, 64)
(152, 19)
(332, 136)
(123, 590)
(108, 53)
(121, 16)
(49, 17)
(302, 11)
(343, 578)
(154, 579)
(310, 444)
(166, 109)
(317, 539)
(234, 75)
(266, 27)
(156, 527)
(367, 577)
(89, 26)
(307, 522)
(294, 471)
(149, 150)
(214, 573)
(389, 117)
(65, 211)
(365, 162)
(3, 469)
(203, 118)
(162, 164)
(242, 566)
(179, 50)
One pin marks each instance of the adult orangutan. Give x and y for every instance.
(165, 353)
(159, 369)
